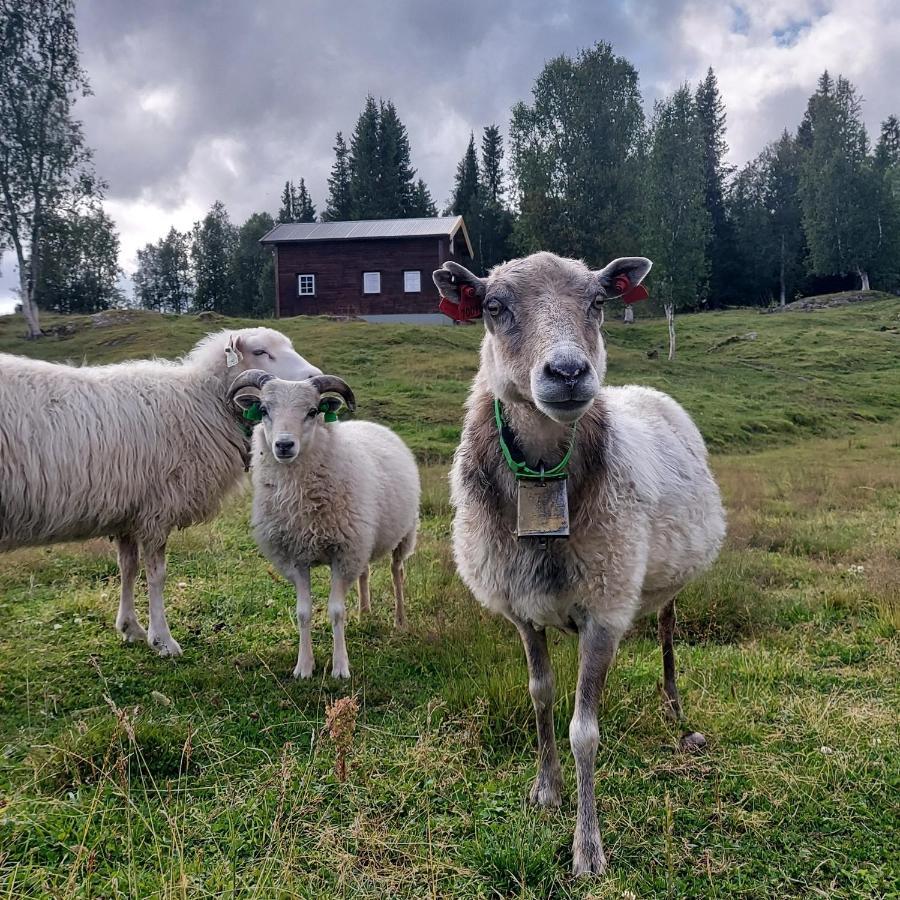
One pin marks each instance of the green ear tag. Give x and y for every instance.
(252, 413)
(330, 414)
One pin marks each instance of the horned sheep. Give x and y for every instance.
(644, 511)
(341, 494)
(129, 451)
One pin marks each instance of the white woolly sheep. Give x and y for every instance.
(341, 494)
(128, 451)
(644, 513)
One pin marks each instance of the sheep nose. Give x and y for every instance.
(565, 368)
(284, 446)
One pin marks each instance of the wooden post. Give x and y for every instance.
(670, 318)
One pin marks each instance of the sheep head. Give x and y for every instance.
(542, 316)
(292, 411)
(268, 350)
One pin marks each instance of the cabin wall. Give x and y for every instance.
(339, 265)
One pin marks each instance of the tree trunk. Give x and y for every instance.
(629, 315)
(670, 318)
(781, 275)
(29, 307)
(864, 279)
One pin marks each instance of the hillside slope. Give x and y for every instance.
(820, 373)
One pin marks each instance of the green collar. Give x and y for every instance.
(519, 467)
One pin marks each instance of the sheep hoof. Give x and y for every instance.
(166, 646)
(132, 632)
(692, 742)
(340, 671)
(303, 671)
(545, 792)
(588, 858)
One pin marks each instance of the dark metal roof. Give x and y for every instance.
(376, 228)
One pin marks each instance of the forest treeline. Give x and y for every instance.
(583, 172)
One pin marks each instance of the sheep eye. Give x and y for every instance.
(264, 410)
(262, 353)
(598, 301)
(494, 307)
(313, 413)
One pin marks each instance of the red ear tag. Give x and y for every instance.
(629, 294)
(468, 308)
(636, 294)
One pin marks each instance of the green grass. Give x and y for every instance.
(124, 775)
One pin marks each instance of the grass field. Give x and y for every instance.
(124, 775)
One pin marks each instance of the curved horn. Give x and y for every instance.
(251, 378)
(335, 385)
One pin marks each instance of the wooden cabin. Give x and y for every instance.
(370, 268)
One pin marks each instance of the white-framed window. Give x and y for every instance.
(412, 281)
(371, 282)
(306, 285)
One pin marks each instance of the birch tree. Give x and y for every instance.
(43, 156)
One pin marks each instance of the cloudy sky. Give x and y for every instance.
(200, 101)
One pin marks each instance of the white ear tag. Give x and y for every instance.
(232, 357)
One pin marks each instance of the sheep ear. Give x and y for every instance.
(245, 398)
(233, 353)
(623, 275)
(450, 278)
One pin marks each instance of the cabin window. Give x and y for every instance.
(371, 282)
(412, 282)
(306, 285)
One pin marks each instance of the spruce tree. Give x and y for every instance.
(466, 187)
(720, 250)
(492, 164)
(496, 220)
(304, 210)
(422, 202)
(396, 184)
(339, 206)
(886, 172)
(782, 201)
(838, 188)
(365, 164)
(286, 213)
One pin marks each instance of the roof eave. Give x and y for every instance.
(461, 226)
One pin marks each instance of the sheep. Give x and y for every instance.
(644, 512)
(327, 493)
(127, 451)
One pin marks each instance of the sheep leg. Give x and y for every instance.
(158, 637)
(596, 649)
(690, 740)
(127, 623)
(337, 612)
(399, 577)
(547, 786)
(363, 588)
(666, 630)
(305, 661)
